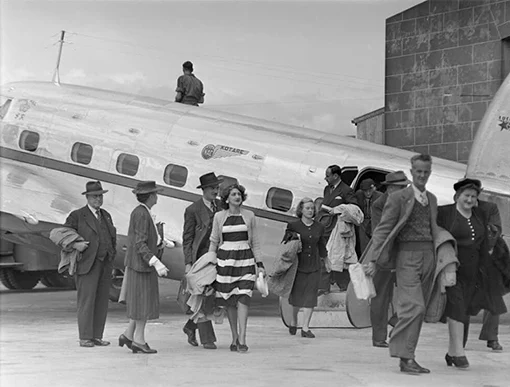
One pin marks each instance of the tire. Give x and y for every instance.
(57, 280)
(22, 280)
(4, 278)
(117, 277)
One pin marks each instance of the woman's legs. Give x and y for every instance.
(456, 335)
(295, 311)
(232, 319)
(307, 316)
(139, 332)
(242, 315)
(130, 330)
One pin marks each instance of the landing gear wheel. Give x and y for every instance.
(21, 279)
(4, 278)
(57, 280)
(117, 277)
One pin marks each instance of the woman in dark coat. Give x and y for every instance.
(306, 283)
(476, 284)
(142, 269)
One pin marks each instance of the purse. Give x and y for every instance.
(183, 296)
(261, 285)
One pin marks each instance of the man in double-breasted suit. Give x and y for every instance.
(335, 194)
(195, 243)
(408, 225)
(94, 269)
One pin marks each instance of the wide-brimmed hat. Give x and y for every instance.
(209, 180)
(467, 181)
(366, 184)
(94, 188)
(145, 187)
(396, 178)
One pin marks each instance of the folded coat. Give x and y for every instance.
(65, 237)
(282, 275)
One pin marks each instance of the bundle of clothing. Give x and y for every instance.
(282, 274)
(65, 238)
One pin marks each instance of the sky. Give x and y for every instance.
(316, 64)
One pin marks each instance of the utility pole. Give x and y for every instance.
(56, 76)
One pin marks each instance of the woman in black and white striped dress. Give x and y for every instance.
(235, 239)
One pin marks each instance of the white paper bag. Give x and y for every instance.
(363, 284)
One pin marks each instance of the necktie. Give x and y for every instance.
(213, 207)
(98, 214)
(424, 200)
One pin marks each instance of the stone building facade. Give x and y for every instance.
(445, 60)
(370, 126)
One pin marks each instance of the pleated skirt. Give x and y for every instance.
(142, 295)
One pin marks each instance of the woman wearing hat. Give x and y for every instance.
(142, 269)
(235, 238)
(472, 291)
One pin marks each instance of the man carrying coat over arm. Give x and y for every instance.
(195, 242)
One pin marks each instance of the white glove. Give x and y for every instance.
(161, 269)
(450, 279)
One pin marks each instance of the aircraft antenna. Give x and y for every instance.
(56, 75)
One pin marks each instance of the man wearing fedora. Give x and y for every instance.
(366, 196)
(384, 280)
(94, 269)
(195, 242)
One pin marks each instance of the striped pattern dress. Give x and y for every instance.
(236, 268)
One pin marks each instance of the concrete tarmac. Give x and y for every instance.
(39, 347)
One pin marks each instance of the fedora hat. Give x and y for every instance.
(366, 184)
(396, 178)
(94, 188)
(467, 181)
(145, 187)
(209, 180)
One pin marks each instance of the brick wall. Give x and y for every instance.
(444, 63)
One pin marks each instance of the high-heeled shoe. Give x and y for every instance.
(233, 347)
(242, 347)
(307, 334)
(143, 348)
(292, 330)
(457, 361)
(123, 340)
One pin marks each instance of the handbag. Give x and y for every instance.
(183, 296)
(261, 285)
(363, 284)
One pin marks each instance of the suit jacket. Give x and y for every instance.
(85, 224)
(142, 240)
(197, 230)
(493, 220)
(342, 194)
(360, 198)
(377, 209)
(396, 212)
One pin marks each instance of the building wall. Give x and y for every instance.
(371, 129)
(445, 60)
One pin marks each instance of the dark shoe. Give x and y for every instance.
(292, 330)
(495, 345)
(307, 334)
(100, 342)
(192, 339)
(380, 344)
(210, 346)
(233, 347)
(123, 340)
(87, 343)
(135, 347)
(458, 361)
(242, 347)
(410, 366)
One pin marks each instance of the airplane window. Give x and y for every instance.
(5, 108)
(81, 153)
(175, 175)
(29, 140)
(127, 164)
(227, 181)
(279, 199)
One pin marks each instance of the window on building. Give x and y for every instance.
(29, 140)
(127, 164)
(6, 103)
(175, 175)
(279, 199)
(227, 181)
(81, 153)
